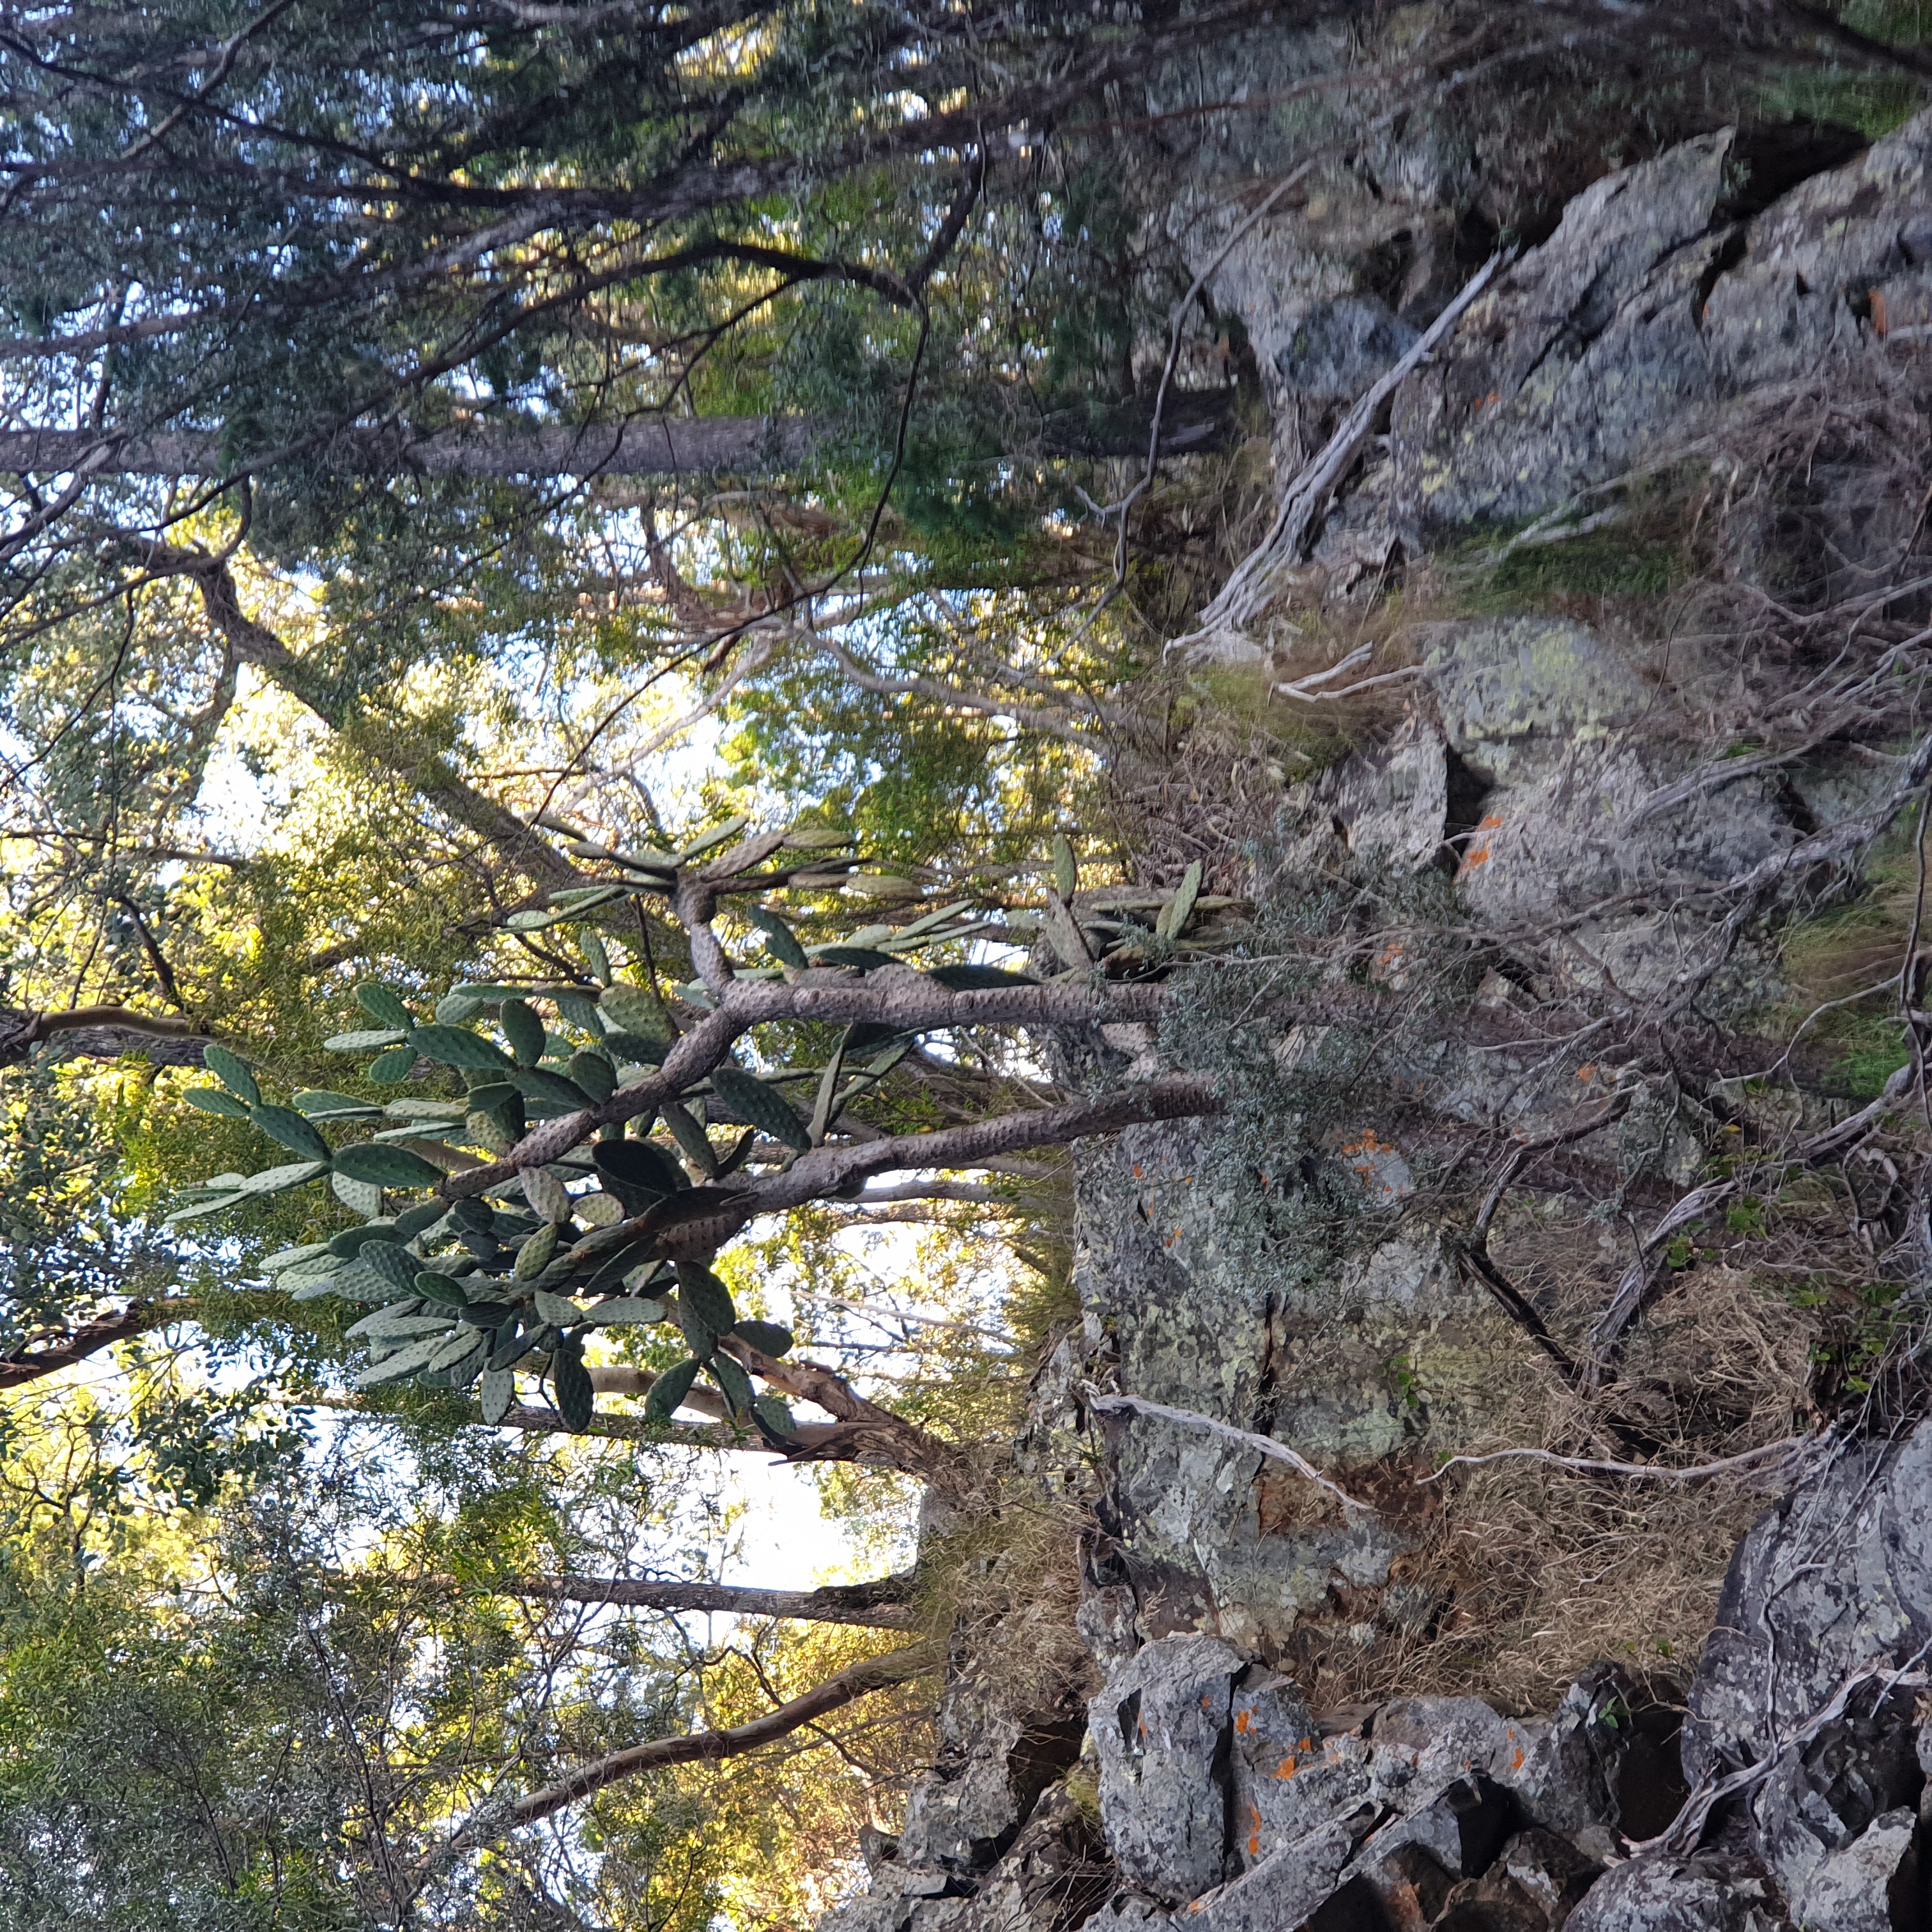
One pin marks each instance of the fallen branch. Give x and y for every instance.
(1697, 1472)
(1683, 1833)
(1261, 1445)
(1256, 580)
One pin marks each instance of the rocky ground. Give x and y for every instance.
(1526, 1694)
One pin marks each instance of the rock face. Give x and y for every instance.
(1542, 763)
(1224, 1802)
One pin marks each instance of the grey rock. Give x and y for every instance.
(1161, 1730)
(1606, 1766)
(1547, 713)
(1647, 319)
(992, 1763)
(1708, 1893)
(1337, 349)
(1871, 1885)
(1055, 1872)
(1285, 1889)
(1835, 1579)
(1548, 1872)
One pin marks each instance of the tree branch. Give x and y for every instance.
(30, 1365)
(102, 1032)
(425, 771)
(903, 1000)
(881, 1604)
(857, 1681)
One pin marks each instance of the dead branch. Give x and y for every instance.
(1259, 1445)
(1752, 1460)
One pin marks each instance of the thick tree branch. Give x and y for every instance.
(657, 445)
(30, 1364)
(902, 999)
(424, 771)
(882, 1605)
(103, 1032)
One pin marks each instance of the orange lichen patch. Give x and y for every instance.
(1143, 1723)
(1478, 854)
(1369, 1141)
(1242, 1719)
(1881, 320)
(1306, 1743)
(1515, 1762)
(1286, 1768)
(1255, 1835)
(1588, 1071)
